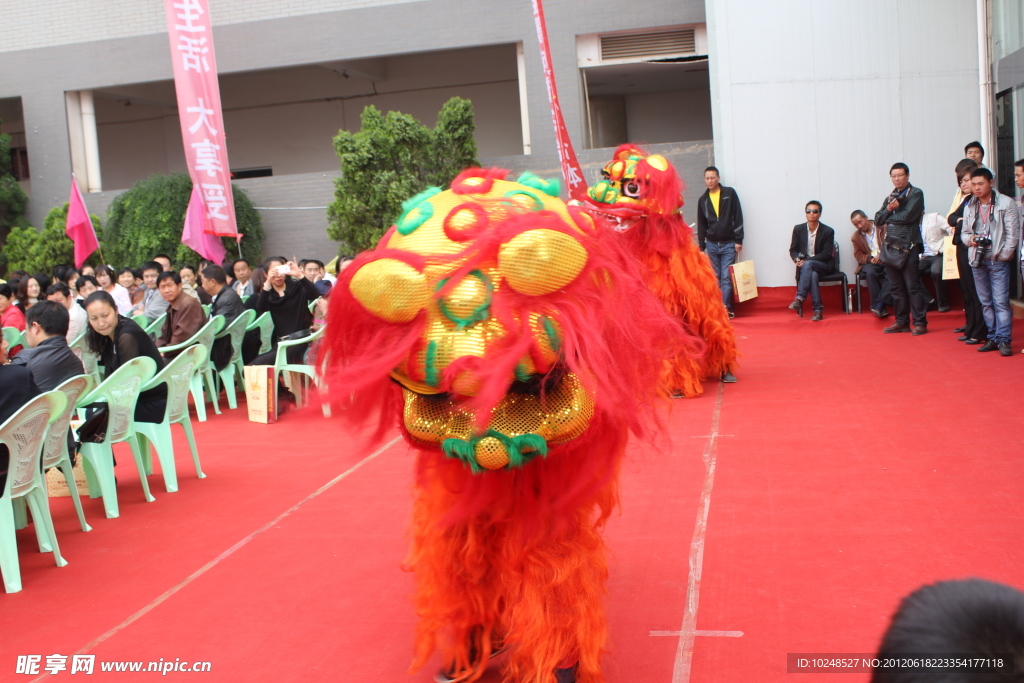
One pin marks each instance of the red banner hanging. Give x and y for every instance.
(571, 170)
(202, 122)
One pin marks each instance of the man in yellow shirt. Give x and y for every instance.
(720, 230)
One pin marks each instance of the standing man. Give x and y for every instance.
(720, 230)
(811, 249)
(901, 216)
(991, 231)
(867, 245)
(975, 152)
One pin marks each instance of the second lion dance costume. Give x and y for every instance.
(641, 197)
(516, 346)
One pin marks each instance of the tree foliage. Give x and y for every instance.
(148, 220)
(38, 252)
(390, 159)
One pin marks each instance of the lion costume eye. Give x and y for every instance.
(391, 289)
(631, 189)
(541, 261)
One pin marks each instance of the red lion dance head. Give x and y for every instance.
(515, 345)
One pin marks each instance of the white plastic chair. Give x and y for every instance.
(24, 434)
(205, 337)
(236, 332)
(120, 392)
(177, 375)
(55, 452)
(309, 372)
(90, 361)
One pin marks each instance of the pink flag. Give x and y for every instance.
(194, 237)
(79, 226)
(566, 155)
(199, 111)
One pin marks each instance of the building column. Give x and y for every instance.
(524, 107)
(91, 141)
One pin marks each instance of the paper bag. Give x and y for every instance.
(950, 270)
(261, 393)
(57, 485)
(744, 282)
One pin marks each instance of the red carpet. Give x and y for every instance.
(851, 467)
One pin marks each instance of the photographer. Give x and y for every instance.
(901, 216)
(286, 294)
(991, 232)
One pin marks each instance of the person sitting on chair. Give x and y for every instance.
(811, 249)
(78, 321)
(867, 244)
(185, 315)
(48, 358)
(287, 295)
(227, 303)
(16, 389)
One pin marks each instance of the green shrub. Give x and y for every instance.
(390, 159)
(38, 252)
(148, 220)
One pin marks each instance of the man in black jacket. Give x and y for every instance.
(811, 249)
(225, 302)
(16, 389)
(49, 360)
(901, 215)
(720, 230)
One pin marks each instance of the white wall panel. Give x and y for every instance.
(816, 100)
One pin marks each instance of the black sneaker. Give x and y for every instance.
(988, 346)
(728, 377)
(1005, 350)
(450, 675)
(732, 314)
(565, 675)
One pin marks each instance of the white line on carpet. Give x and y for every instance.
(721, 634)
(227, 553)
(684, 651)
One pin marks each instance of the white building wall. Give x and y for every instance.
(816, 100)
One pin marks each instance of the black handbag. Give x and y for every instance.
(895, 251)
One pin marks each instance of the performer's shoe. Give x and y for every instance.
(565, 675)
(452, 676)
(728, 377)
(732, 314)
(678, 394)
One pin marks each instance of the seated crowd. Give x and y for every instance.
(902, 245)
(115, 314)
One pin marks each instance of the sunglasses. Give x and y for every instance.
(812, 210)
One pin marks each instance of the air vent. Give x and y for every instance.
(644, 45)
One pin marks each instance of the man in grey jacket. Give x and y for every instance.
(50, 362)
(991, 231)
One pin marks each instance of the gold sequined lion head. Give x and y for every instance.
(634, 184)
(498, 312)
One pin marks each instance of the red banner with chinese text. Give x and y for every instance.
(202, 123)
(566, 155)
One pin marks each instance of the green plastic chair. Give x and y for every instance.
(236, 332)
(25, 434)
(281, 364)
(55, 452)
(141, 320)
(14, 337)
(265, 324)
(177, 375)
(120, 392)
(313, 303)
(205, 336)
(156, 326)
(90, 361)
(206, 308)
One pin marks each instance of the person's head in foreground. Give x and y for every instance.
(968, 618)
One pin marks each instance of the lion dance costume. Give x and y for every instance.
(516, 346)
(641, 197)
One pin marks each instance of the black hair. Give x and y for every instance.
(970, 617)
(168, 275)
(137, 273)
(80, 282)
(306, 262)
(815, 202)
(273, 259)
(152, 265)
(900, 165)
(972, 145)
(126, 269)
(93, 339)
(59, 288)
(982, 172)
(190, 267)
(713, 168)
(1019, 163)
(6, 290)
(162, 256)
(963, 166)
(109, 271)
(215, 273)
(51, 316)
(857, 212)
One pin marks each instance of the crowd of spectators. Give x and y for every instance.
(115, 314)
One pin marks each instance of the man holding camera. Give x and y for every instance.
(901, 216)
(991, 231)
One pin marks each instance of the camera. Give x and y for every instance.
(983, 244)
(983, 241)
